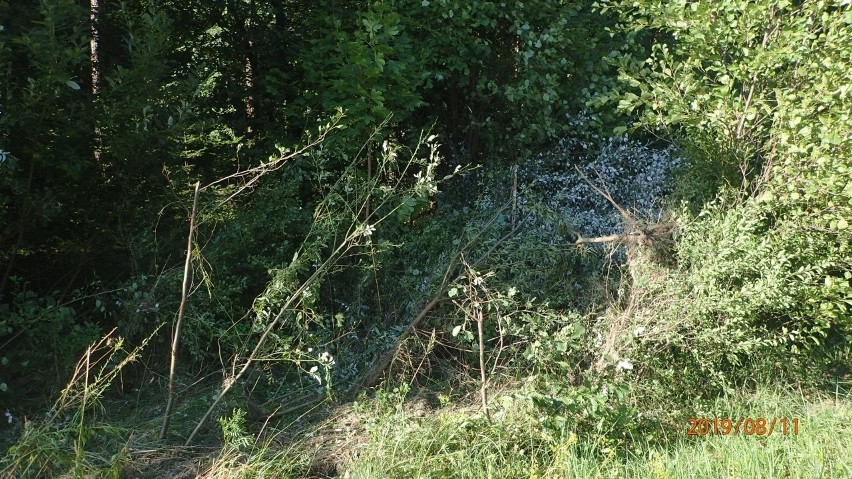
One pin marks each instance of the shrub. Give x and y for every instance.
(757, 92)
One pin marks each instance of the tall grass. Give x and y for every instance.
(72, 439)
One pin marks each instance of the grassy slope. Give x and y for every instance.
(403, 446)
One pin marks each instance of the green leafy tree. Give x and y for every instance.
(496, 77)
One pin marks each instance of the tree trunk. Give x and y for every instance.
(95, 58)
(248, 30)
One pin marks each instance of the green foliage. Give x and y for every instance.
(46, 336)
(503, 75)
(736, 80)
(551, 348)
(498, 77)
(191, 91)
(328, 251)
(453, 441)
(776, 284)
(45, 118)
(313, 325)
(76, 177)
(757, 94)
(407, 438)
(370, 71)
(234, 430)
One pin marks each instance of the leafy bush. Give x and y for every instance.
(757, 94)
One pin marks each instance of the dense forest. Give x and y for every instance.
(425, 238)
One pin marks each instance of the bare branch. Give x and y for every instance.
(606, 194)
(176, 333)
(600, 239)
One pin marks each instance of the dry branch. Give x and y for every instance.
(176, 334)
(600, 239)
(635, 232)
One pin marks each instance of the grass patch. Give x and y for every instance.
(459, 444)
(393, 435)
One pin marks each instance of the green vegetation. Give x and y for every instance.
(430, 239)
(459, 443)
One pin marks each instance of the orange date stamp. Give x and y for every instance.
(747, 426)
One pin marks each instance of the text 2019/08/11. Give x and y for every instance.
(747, 426)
